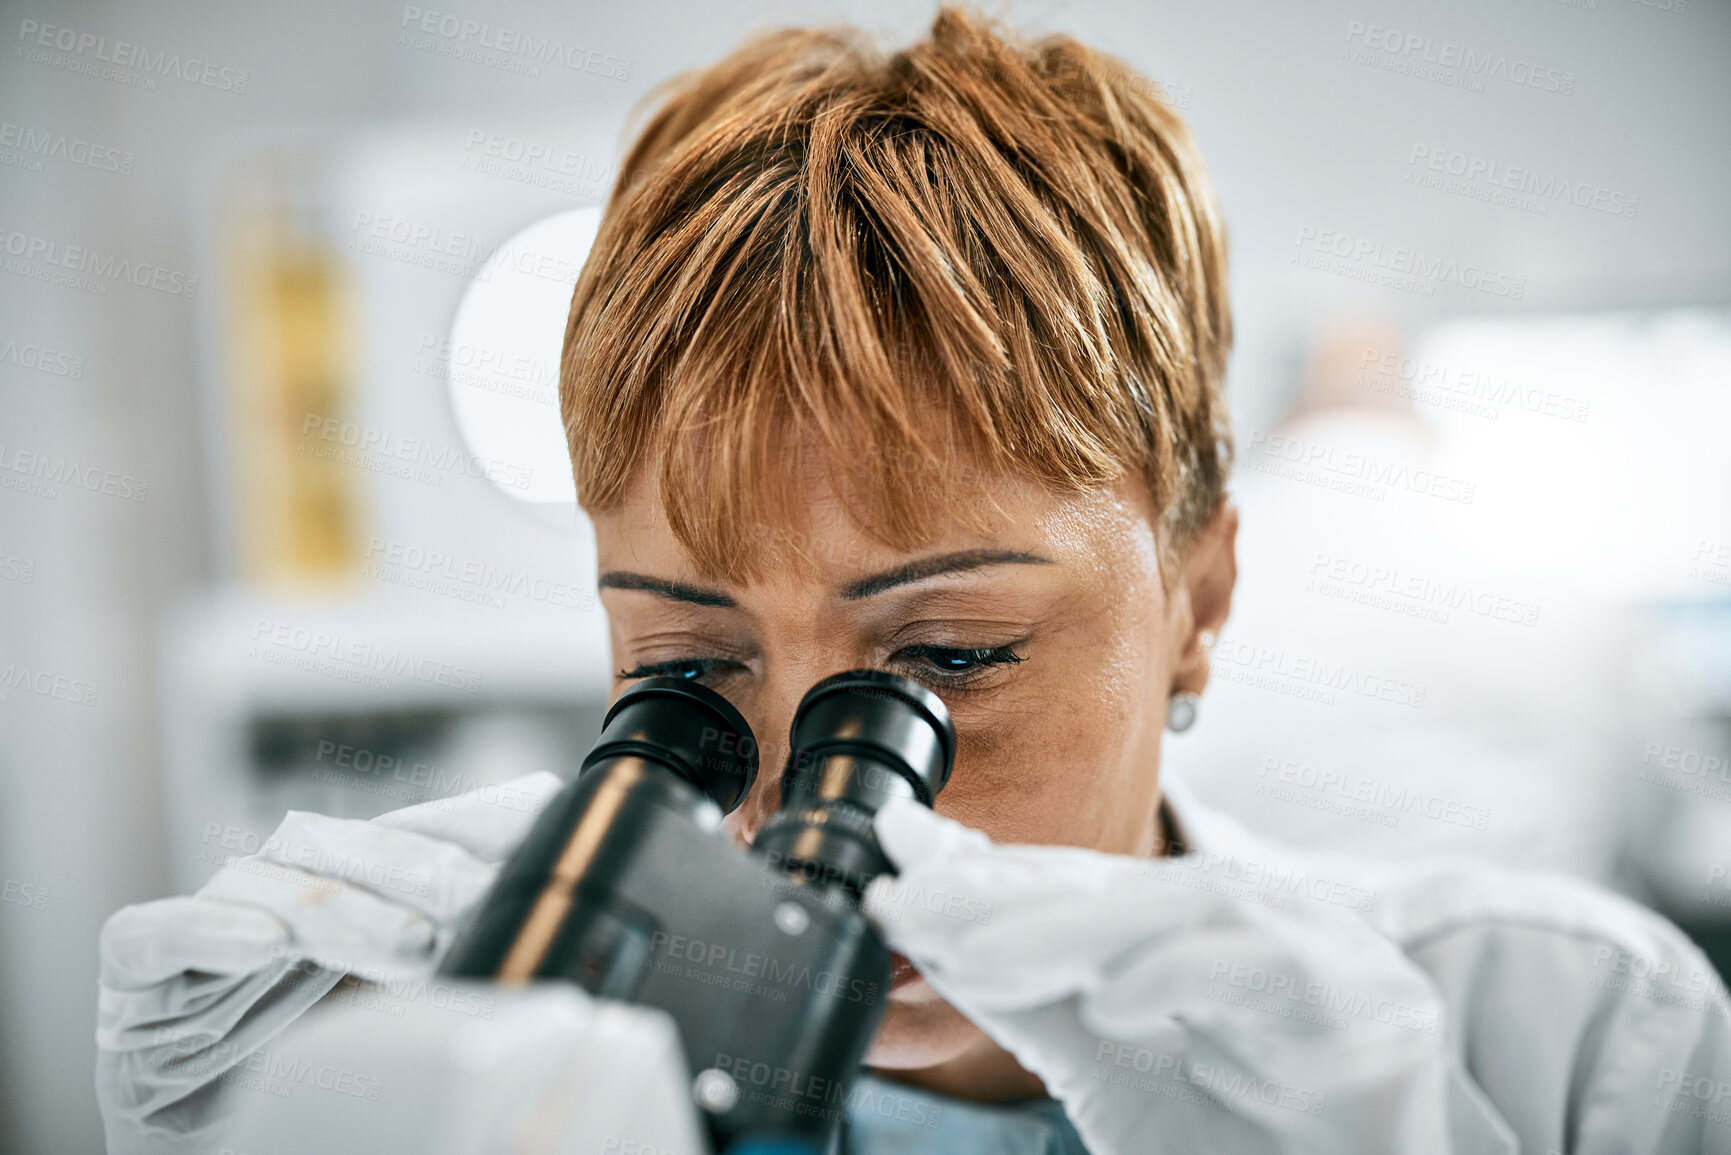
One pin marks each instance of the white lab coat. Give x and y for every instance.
(1578, 1021)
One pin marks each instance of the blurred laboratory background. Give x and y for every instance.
(283, 520)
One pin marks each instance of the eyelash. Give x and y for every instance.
(983, 657)
(692, 668)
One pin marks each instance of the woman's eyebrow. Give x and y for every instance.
(913, 571)
(676, 591)
(941, 564)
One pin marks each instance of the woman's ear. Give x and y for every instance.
(1205, 582)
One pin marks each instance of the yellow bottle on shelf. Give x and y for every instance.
(299, 499)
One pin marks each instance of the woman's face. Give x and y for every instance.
(1050, 638)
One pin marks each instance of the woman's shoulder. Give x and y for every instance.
(1426, 904)
(1422, 903)
(1563, 997)
(1500, 938)
(1551, 980)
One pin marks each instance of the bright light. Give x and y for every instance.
(505, 342)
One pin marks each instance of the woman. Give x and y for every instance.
(915, 362)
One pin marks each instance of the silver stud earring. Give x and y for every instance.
(1181, 711)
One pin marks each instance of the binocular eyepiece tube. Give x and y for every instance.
(686, 728)
(859, 739)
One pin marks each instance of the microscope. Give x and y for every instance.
(628, 886)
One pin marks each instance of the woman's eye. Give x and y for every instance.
(951, 666)
(692, 668)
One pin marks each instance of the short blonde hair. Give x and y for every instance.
(972, 250)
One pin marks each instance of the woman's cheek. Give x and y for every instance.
(981, 792)
(1056, 775)
(1012, 789)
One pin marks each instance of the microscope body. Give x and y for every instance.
(629, 886)
(771, 981)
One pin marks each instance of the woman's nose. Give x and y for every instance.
(771, 718)
(765, 796)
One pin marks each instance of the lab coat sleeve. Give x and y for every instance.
(191, 988)
(1212, 1002)
(1593, 1025)
(1693, 1097)
(1655, 1079)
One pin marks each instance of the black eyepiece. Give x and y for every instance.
(858, 740)
(879, 714)
(690, 729)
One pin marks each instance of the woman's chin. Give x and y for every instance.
(919, 1030)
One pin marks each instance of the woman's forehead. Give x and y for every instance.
(827, 535)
